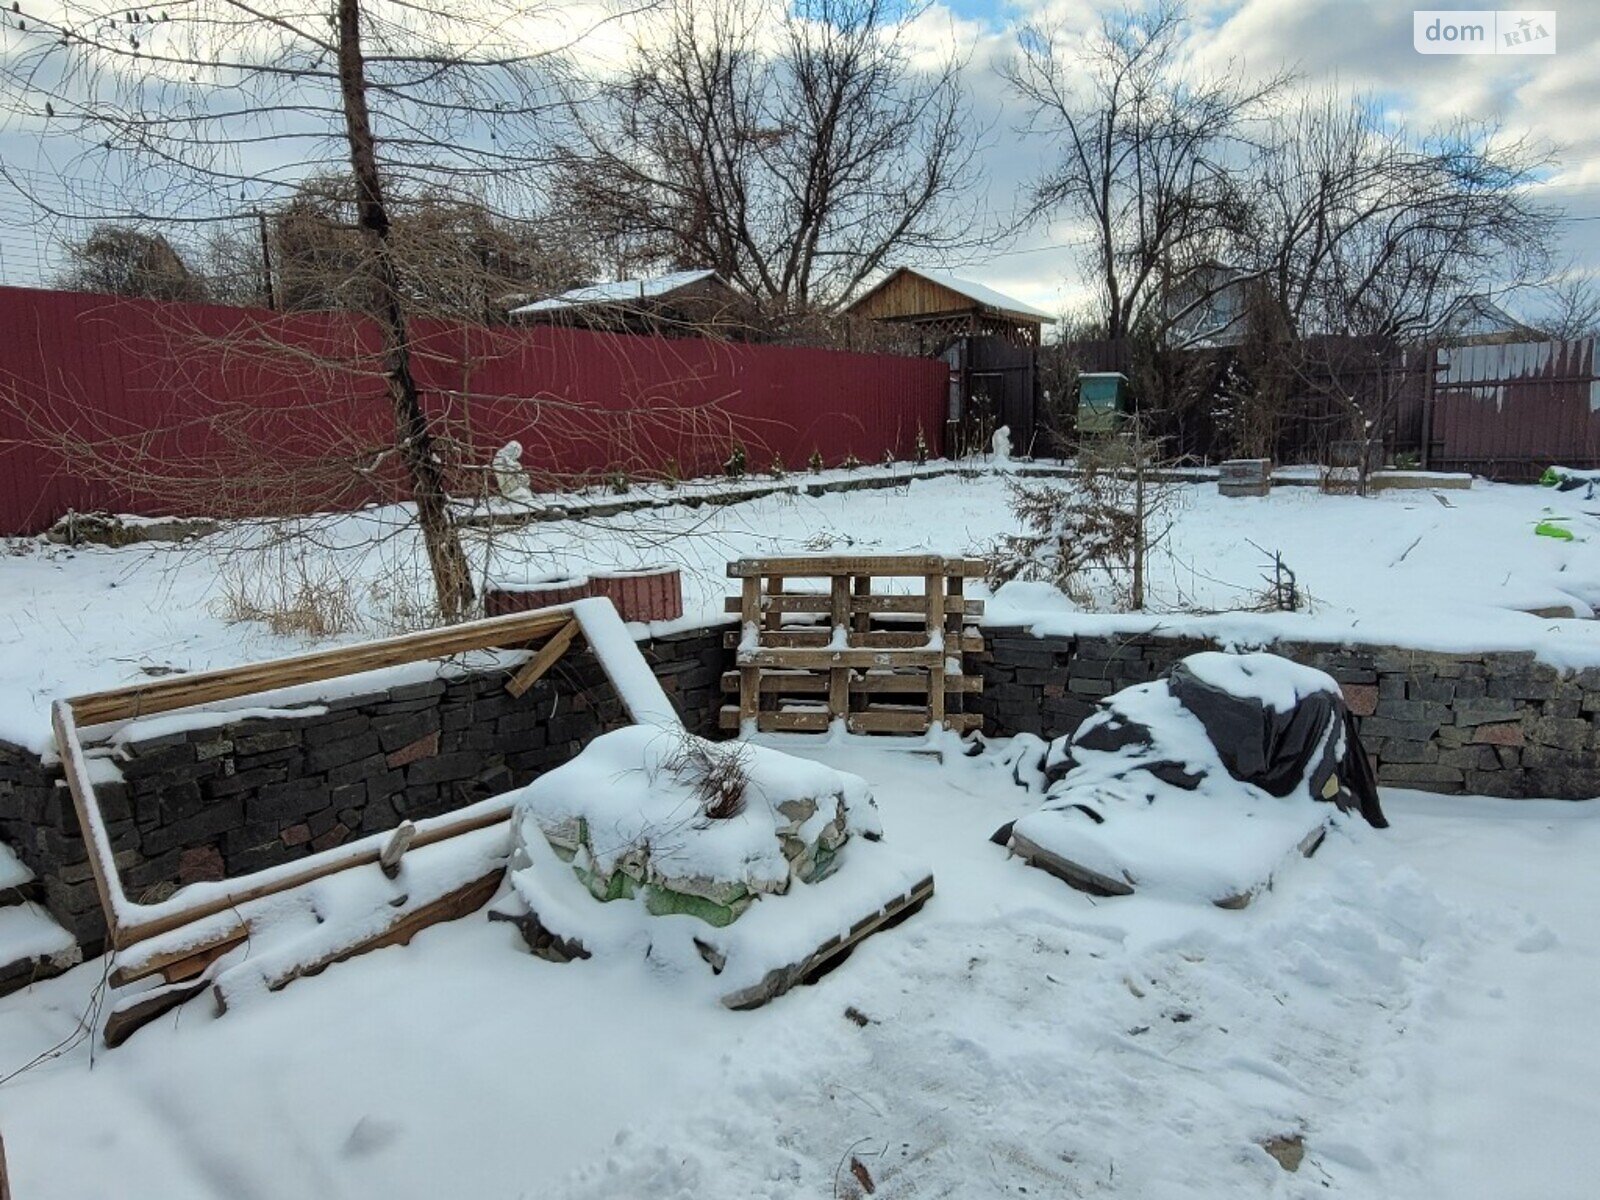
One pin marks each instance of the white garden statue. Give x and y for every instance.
(1001, 445)
(509, 476)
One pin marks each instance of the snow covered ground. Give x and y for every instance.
(1414, 1003)
(1400, 567)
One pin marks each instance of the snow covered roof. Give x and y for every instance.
(620, 292)
(1478, 317)
(981, 294)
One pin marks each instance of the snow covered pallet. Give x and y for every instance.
(765, 868)
(260, 931)
(841, 652)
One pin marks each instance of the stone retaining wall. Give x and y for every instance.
(1493, 724)
(231, 799)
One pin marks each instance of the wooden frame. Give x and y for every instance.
(129, 922)
(867, 666)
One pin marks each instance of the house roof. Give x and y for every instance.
(1478, 316)
(980, 294)
(621, 291)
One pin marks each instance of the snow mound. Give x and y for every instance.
(692, 825)
(1145, 795)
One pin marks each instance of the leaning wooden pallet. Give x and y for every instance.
(873, 666)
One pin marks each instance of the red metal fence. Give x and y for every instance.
(1508, 412)
(168, 409)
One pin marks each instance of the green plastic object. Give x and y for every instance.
(1550, 478)
(1102, 401)
(1550, 529)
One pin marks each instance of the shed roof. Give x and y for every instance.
(621, 291)
(981, 295)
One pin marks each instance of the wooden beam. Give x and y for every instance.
(824, 659)
(813, 566)
(817, 602)
(804, 683)
(209, 687)
(534, 669)
(454, 904)
(878, 639)
(818, 720)
(774, 983)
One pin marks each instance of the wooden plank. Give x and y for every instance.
(933, 595)
(133, 1013)
(802, 683)
(812, 567)
(533, 670)
(878, 639)
(823, 659)
(330, 862)
(193, 963)
(749, 624)
(209, 687)
(861, 600)
(86, 807)
(812, 720)
(839, 676)
(451, 906)
(818, 602)
(819, 720)
(780, 980)
(772, 617)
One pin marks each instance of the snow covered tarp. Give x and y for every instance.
(730, 854)
(1199, 785)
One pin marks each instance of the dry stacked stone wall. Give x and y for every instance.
(1493, 724)
(229, 799)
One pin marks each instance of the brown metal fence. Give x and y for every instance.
(1508, 412)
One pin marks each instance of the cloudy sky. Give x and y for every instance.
(1364, 45)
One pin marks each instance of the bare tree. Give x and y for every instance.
(1149, 152)
(1364, 228)
(196, 109)
(1569, 306)
(793, 148)
(122, 261)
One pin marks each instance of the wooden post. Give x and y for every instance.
(933, 586)
(749, 626)
(839, 677)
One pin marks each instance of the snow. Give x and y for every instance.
(1414, 1002)
(1276, 682)
(618, 292)
(1220, 841)
(1398, 567)
(13, 871)
(27, 931)
(632, 791)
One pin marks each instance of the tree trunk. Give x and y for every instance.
(452, 580)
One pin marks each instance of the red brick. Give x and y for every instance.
(201, 863)
(424, 747)
(1499, 735)
(1360, 698)
(330, 839)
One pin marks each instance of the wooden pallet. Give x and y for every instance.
(835, 649)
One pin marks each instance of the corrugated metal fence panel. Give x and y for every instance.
(1509, 411)
(244, 411)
